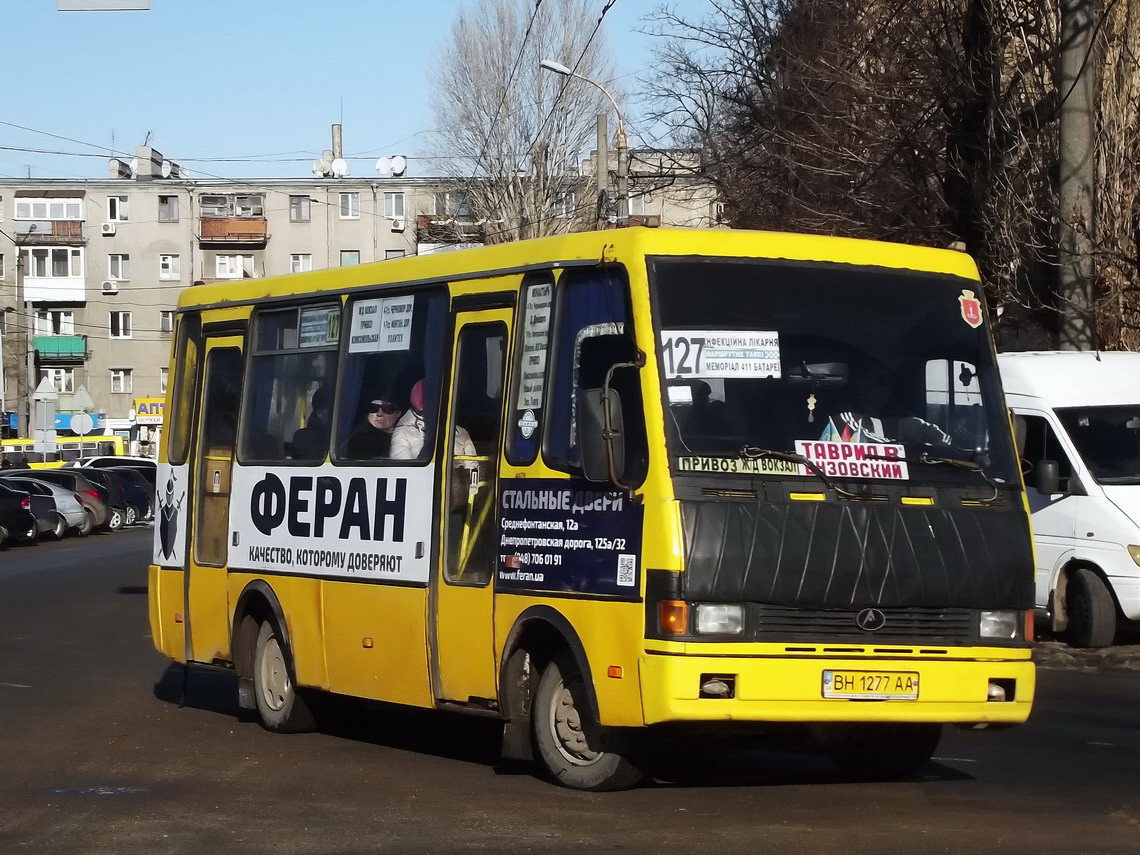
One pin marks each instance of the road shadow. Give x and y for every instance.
(672, 760)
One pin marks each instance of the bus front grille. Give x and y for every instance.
(895, 625)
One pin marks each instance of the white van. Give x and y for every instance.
(1077, 421)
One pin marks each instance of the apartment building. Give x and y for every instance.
(90, 270)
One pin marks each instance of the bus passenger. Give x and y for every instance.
(373, 439)
(312, 441)
(408, 436)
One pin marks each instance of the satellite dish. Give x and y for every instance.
(339, 167)
(399, 164)
(134, 166)
(318, 168)
(166, 168)
(383, 164)
(327, 159)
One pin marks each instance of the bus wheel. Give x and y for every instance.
(878, 750)
(577, 751)
(1092, 614)
(279, 706)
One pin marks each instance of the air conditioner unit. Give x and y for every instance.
(108, 229)
(397, 224)
(110, 287)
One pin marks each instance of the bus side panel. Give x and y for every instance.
(167, 608)
(300, 601)
(612, 634)
(376, 642)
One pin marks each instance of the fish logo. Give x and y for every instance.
(169, 505)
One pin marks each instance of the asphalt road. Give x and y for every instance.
(97, 756)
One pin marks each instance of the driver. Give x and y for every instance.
(871, 420)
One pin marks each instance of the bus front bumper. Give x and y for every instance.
(961, 690)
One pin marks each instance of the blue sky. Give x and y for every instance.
(237, 78)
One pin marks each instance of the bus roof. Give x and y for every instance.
(587, 247)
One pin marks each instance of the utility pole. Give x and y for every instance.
(1077, 176)
(602, 167)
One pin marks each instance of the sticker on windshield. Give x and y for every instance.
(883, 461)
(720, 353)
(740, 465)
(971, 308)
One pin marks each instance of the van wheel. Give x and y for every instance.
(882, 750)
(1092, 614)
(279, 706)
(576, 750)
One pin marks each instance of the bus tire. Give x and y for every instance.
(280, 707)
(883, 750)
(577, 751)
(1091, 611)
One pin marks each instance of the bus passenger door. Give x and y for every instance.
(207, 605)
(464, 594)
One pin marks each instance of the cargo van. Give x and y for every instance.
(1077, 425)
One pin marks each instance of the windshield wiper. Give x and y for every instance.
(968, 465)
(752, 452)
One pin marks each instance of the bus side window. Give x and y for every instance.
(185, 394)
(593, 325)
(293, 360)
(393, 360)
(532, 338)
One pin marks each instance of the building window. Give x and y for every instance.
(636, 204)
(300, 262)
(62, 379)
(121, 380)
(54, 322)
(117, 209)
(299, 209)
(163, 377)
(394, 253)
(564, 205)
(454, 203)
(49, 209)
(234, 267)
(166, 322)
(217, 206)
(349, 257)
(120, 324)
(168, 209)
(350, 206)
(1, 265)
(394, 205)
(169, 267)
(53, 262)
(119, 267)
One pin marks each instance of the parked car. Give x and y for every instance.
(144, 465)
(73, 480)
(1077, 420)
(134, 476)
(16, 519)
(48, 520)
(68, 505)
(117, 492)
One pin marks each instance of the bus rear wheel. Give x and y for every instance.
(576, 750)
(882, 750)
(279, 705)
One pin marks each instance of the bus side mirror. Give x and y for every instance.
(596, 444)
(1048, 477)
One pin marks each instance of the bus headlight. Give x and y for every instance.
(1001, 624)
(720, 619)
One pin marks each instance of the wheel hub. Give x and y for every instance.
(569, 735)
(274, 676)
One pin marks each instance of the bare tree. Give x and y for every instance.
(513, 133)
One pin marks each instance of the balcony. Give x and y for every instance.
(56, 232)
(448, 229)
(233, 231)
(60, 349)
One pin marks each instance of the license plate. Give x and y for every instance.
(871, 685)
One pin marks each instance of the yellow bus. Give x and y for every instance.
(599, 483)
(68, 448)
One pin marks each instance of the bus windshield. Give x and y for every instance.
(868, 373)
(1108, 439)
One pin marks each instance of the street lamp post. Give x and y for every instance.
(622, 146)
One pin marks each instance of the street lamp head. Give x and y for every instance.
(556, 67)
